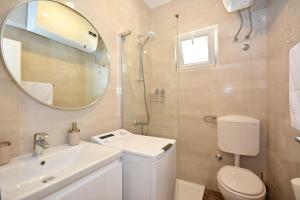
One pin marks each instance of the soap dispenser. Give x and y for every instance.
(74, 135)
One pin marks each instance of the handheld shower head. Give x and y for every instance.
(150, 34)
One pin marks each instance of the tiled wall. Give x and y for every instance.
(283, 157)
(236, 86)
(21, 117)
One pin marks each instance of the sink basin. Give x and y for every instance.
(28, 177)
(296, 187)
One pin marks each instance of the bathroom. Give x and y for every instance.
(170, 73)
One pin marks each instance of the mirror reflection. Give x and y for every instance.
(55, 55)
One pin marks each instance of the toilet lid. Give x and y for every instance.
(241, 180)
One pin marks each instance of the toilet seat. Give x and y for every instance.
(241, 182)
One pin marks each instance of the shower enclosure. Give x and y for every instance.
(150, 82)
(135, 83)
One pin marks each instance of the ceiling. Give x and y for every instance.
(156, 3)
(259, 4)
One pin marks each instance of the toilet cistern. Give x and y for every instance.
(239, 135)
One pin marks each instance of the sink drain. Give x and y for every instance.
(46, 180)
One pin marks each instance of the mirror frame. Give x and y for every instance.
(39, 101)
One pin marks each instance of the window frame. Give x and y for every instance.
(212, 34)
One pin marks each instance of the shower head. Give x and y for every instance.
(150, 35)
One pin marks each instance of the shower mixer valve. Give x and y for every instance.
(140, 123)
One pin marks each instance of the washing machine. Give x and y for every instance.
(149, 164)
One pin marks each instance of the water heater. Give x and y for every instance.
(54, 21)
(235, 5)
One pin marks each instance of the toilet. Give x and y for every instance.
(239, 135)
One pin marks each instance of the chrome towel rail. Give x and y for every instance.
(297, 139)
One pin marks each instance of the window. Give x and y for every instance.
(198, 49)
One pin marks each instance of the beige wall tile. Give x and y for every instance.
(276, 178)
(197, 80)
(245, 102)
(9, 121)
(240, 77)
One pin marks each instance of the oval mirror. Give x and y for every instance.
(55, 54)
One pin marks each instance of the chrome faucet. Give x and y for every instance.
(39, 143)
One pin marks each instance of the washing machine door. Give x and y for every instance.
(163, 179)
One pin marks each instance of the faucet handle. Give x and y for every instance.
(45, 145)
(40, 136)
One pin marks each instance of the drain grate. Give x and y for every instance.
(47, 179)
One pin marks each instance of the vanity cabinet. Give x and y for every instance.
(103, 184)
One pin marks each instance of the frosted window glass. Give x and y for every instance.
(195, 50)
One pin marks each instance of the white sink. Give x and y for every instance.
(296, 187)
(28, 177)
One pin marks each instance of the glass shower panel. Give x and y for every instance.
(134, 114)
(150, 73)
(164, 79)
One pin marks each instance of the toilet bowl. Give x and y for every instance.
(237, 183)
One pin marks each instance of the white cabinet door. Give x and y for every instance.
(103, 184)
(136, 178)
